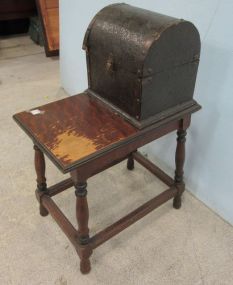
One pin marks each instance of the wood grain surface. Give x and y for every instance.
(76, 127)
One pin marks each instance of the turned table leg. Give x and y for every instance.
(82, 215)
(130, 162)
(179, 172)
(40, 172)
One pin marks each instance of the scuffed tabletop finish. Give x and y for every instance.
(74, 128)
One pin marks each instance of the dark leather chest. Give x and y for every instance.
(141, 63)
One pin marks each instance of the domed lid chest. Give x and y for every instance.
(143, 64)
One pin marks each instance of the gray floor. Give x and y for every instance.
(189, 246)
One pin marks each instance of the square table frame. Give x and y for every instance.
(81, 240)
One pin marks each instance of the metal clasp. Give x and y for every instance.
(110, 66)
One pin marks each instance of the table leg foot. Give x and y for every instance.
(177, 202)
(85, 266)
(130, 162)
(43, 211)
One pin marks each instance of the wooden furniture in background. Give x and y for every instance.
(49, 14)
(15, 14)
(16, 9)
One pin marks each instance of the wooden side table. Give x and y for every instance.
(83, 136)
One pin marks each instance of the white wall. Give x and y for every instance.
(208, 169)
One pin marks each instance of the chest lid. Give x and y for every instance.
(127, 34)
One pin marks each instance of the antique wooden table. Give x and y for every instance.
(83, 136)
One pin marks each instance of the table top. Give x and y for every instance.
(74, 129)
